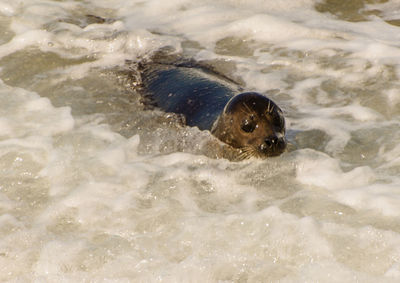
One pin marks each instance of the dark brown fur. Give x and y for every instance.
(249, 122)
(252, 123)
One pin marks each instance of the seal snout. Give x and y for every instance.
(252, 123)
(273, 145)
(270, 141)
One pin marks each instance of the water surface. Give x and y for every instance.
(94, 187)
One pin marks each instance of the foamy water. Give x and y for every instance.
(94, 188)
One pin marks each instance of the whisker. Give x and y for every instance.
(270, 107)
(247, 107)
(248, 152)
(243, 154)
(243, 111)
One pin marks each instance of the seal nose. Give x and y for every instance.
(271, 141)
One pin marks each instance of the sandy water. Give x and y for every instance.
(94, 188)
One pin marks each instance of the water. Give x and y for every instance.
(95, 188)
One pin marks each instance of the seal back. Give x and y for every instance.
(187, 91)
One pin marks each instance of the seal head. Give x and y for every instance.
(252, 123)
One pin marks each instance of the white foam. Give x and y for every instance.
(79, 202)
(21, 41)
(29, 114)
(320, 170)
(7, 9)
(393, 97)
(383, 199)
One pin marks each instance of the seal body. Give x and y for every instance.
(188, 91)
(248, 121)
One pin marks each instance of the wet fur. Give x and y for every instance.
(201, 96)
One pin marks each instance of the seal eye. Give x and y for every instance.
(249, 125)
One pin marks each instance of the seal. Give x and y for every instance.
(254, 124)
(247, 121)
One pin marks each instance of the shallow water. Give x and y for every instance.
(94, 187)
